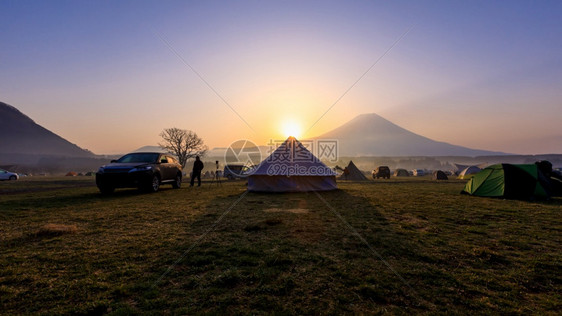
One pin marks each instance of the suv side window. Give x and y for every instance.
(164, 159)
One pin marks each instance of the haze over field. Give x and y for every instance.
(110, 76)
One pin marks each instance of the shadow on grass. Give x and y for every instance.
(48, 231)
(65, 196)
(259, 260)
(284, 253)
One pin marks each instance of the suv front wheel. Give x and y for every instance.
(153, 185)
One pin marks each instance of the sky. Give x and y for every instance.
(111, 75)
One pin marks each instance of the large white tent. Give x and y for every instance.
(292, 168)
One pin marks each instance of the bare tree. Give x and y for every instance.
(183, 143)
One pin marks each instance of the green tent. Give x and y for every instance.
(509, 181)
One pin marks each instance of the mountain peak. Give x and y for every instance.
(367, 115)
(372, 135)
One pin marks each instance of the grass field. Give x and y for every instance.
(399, 246)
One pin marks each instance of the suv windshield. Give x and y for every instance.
(139, 157)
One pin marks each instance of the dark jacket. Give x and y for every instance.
(197, 166)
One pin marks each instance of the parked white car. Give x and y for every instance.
(6, 175)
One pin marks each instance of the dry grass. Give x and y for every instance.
(56, 230)
(265, 255)
(291, 210)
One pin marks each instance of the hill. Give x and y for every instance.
(372, 135)
(20, 135)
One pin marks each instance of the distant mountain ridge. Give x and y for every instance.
(365, 135)
(150, 148)
(19, 134)
(373, 135)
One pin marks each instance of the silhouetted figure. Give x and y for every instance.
(545, 167)
(197, 167)
(554, 179)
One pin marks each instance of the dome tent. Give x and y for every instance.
(291, 168)
(468, 172)
(509, 181)
(401, 173)
(439, 175)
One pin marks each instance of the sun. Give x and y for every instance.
(291, 128)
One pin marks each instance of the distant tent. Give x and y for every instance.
(439, 175)
(509, 181)
(71, 174)
(338, 170)
(460, 168)
(353, 173)
(291, 168)
(468, 172)
(401, 173)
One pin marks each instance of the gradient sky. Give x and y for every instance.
(481, 74)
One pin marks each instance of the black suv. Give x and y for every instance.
(146, 171)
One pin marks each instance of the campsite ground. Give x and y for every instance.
(64, 248)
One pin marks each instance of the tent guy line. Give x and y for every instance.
(361, 77)
(171, 48)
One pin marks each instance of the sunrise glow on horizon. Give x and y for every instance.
(110, 76)
(291, 128)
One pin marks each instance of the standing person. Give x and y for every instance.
(197, 167)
